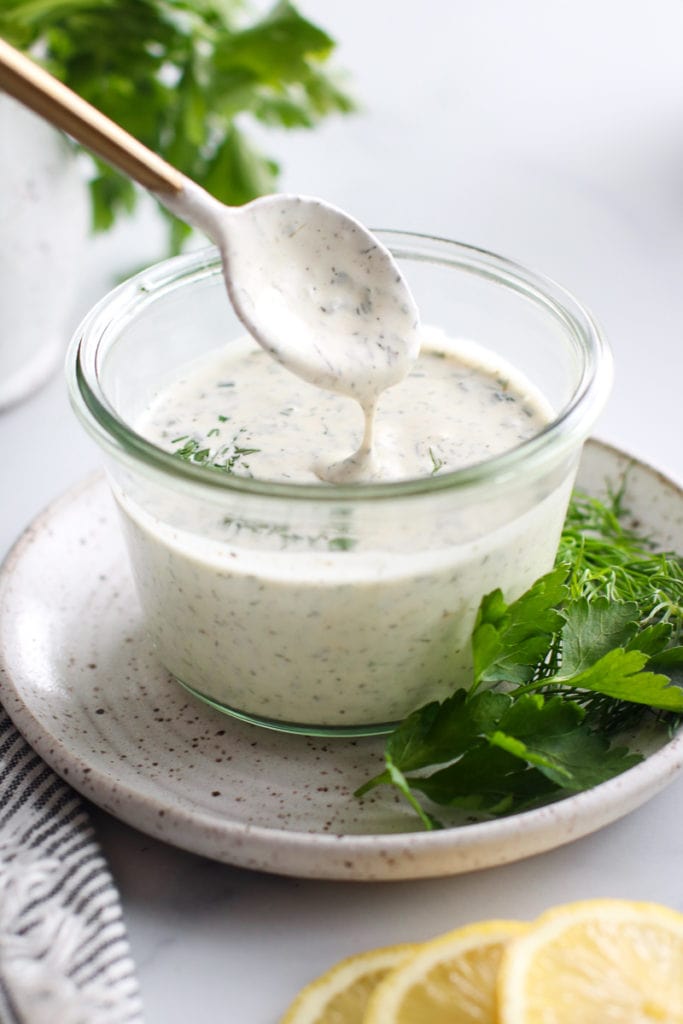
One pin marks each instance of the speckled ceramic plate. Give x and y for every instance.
(80, 680)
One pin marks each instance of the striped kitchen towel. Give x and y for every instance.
(64, 954)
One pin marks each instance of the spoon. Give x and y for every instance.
(314, 287)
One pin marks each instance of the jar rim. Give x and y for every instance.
(565, 432)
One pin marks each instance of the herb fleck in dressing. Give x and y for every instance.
(240, 411)
(336, 616)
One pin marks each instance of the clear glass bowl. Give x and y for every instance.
(333, 610)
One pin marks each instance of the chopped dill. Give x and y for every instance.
(437, 463)
(226, 457)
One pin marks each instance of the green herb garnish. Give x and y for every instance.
(436, 461)
(586, 653)
(226, 457)
(182, 76)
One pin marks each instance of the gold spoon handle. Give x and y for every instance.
(45, 95)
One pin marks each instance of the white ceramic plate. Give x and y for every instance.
(80, 680)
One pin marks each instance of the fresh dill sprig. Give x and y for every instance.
(608, 557)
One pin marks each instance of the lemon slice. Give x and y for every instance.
(450, 980)
(340, 996)
(596, 961)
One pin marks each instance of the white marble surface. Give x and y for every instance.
(552, 133)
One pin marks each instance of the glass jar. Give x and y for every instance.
(327, 609)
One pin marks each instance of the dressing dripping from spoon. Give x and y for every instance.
(314, 287)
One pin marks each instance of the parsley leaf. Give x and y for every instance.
(486, 779)
(618, 674)
(592, 629)
(574, 760)
(440, 731)
(509, 639)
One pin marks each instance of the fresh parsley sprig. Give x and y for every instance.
(182, 76)
(588, 650)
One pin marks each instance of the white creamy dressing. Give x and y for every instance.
(336, 613)
(239, 409)
(340, 615)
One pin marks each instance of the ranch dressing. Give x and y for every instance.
(241, 410)
(336, 615)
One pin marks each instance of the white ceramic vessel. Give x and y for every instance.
(44, 215)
